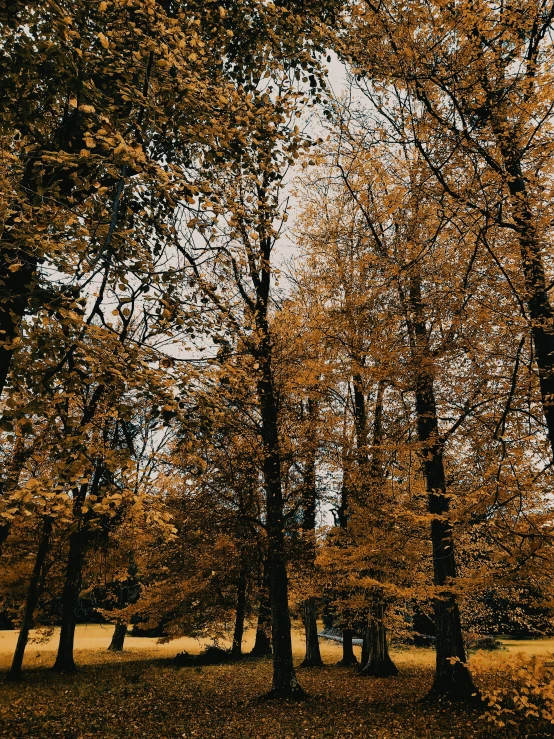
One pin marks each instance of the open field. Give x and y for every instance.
(141, 695)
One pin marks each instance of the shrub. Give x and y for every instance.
(210, 655)
(486, 642)
(522, 693)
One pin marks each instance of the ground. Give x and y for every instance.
(141, 695)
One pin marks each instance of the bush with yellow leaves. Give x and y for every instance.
(521, 692)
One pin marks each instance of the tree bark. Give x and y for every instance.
(4, 531)
(236, 649)
(262, 642)
(375, 660)
(285, 684)
(73, 576)
(348, 656)
(118, 636)
(379, 663)
(33, 593)
(364, 658)
(70, 596)
(312, 657)
(537, 299)
(452, 677)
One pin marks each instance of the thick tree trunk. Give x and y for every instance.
(4, 531)
(33, 593)
(309, 616)
(452, 676)
(236, 649)
(379, 663)
(118, 636)
(348, 656)
(285, 684)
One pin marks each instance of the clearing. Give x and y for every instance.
(140, 695)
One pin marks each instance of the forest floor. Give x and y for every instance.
(140, 694)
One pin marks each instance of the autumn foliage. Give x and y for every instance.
(277, 340)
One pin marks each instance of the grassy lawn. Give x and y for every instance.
(140, 694)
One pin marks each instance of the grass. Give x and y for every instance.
(141, 695)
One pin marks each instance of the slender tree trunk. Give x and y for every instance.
(285, 684)
(348, 657)
(309, 616)
(118, 636)
(312, 657)
(536, 295)
(364, 658)
(452, 676)
(70, 597)
(262, 642)
(376, 661)
(379, 663)
(236, 649)
(33, 593)
(73, 577)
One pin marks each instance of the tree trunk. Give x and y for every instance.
(379, 663)
(285, 684)
(348, 656)
(452, 676)
(537, 299)
(236, 649)
(33, 593)
(262, 643)
(309, 617)
(4, 531)
(312, 657)
(70, 596)
(364, 659)
(118, 636)
(73, 576)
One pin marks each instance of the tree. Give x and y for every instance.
(487, 108)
